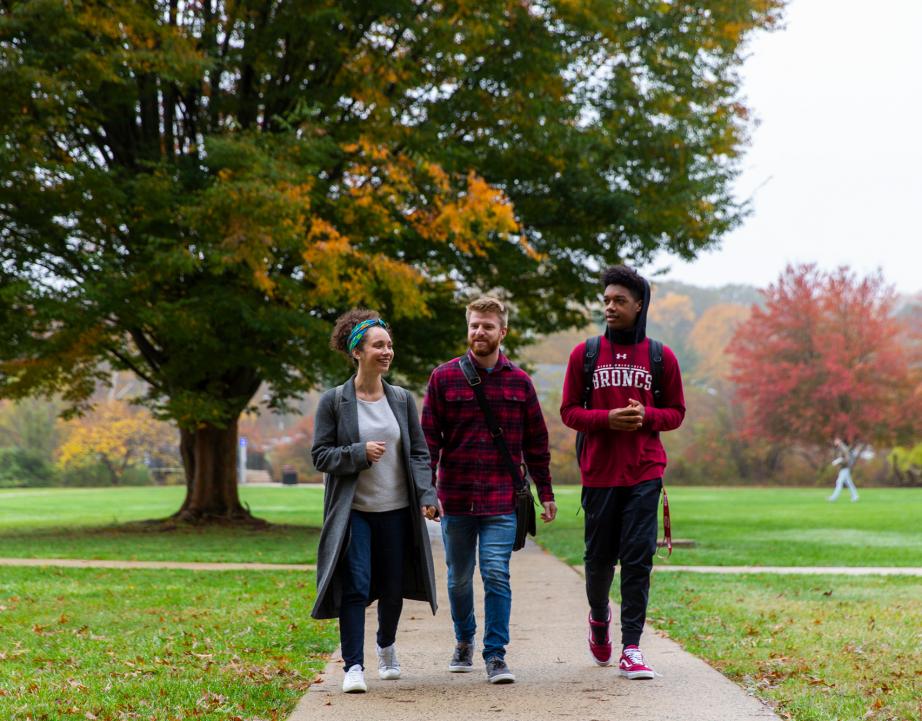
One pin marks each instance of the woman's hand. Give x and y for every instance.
(431, 513)
(374, 450)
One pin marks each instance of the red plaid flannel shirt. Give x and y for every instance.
(472, 478)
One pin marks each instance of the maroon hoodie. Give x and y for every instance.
(622, 372)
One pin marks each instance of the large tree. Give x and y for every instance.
(193, 190)
(825, 358)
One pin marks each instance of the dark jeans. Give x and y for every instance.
(621, 525)
(373, 558)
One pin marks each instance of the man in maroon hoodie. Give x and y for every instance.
(621, 461)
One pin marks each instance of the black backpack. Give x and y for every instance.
(591, 356)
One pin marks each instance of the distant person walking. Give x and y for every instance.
(847, 456)
(373, 544)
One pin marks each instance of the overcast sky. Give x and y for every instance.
(834, 170)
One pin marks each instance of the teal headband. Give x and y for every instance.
(355, 337)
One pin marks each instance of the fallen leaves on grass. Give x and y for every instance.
(817, 681)
(211, 700)
(268, 672)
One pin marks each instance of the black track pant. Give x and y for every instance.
(621, 526)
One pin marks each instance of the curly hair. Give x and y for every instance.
(342, 329)
(626, 276)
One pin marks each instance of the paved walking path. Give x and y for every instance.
(548, 654)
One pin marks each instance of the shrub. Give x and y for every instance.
(24, 467)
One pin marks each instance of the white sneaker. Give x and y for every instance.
(388, 665)
(354, 681)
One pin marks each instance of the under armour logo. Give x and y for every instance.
(620, 356)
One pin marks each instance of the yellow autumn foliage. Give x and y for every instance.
(114, 434)
(710, 336)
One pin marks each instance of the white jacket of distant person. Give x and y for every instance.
(847, 458)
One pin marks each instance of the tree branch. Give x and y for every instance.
(150, 353)
(133, 367)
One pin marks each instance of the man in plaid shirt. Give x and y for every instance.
(474, 485)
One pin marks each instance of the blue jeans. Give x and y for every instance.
(495, 535)
(372, 563)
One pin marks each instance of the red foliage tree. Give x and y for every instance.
(824, 359)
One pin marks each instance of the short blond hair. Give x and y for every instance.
(488, 304)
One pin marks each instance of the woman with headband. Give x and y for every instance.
(374, 543)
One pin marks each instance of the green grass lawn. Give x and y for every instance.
(730, 526)
(229, 645)
(99, 523)
(772, 527)
(112, 645)
(822, 648)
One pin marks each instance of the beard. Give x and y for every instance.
(482, 349)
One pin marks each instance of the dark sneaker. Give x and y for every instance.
(632, 664)
(462, 660)
(600, 640)
(498, 671)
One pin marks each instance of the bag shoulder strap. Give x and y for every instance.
(496, 432)
(590, 358)
(656, 370)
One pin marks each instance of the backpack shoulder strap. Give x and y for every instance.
(656, 370)
(337, 399)
(590, 358)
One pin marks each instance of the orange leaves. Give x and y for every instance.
(710, 336)
(673, 308)
(326, 257)
(386, 199)
(388, 190)
(473, 221)
(342, 274)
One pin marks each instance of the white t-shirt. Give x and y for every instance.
(383, 487)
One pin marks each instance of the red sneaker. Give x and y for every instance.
(600, 652)
(633, 665)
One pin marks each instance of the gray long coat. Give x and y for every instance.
(338, 453)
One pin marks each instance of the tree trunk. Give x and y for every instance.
(113, 476)
(210, 458)
(187, 453)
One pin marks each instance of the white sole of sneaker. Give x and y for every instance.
(634, 675)
(389, 674)
(502, 678)
(464, 669)
(355, 688)
(597, 662)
